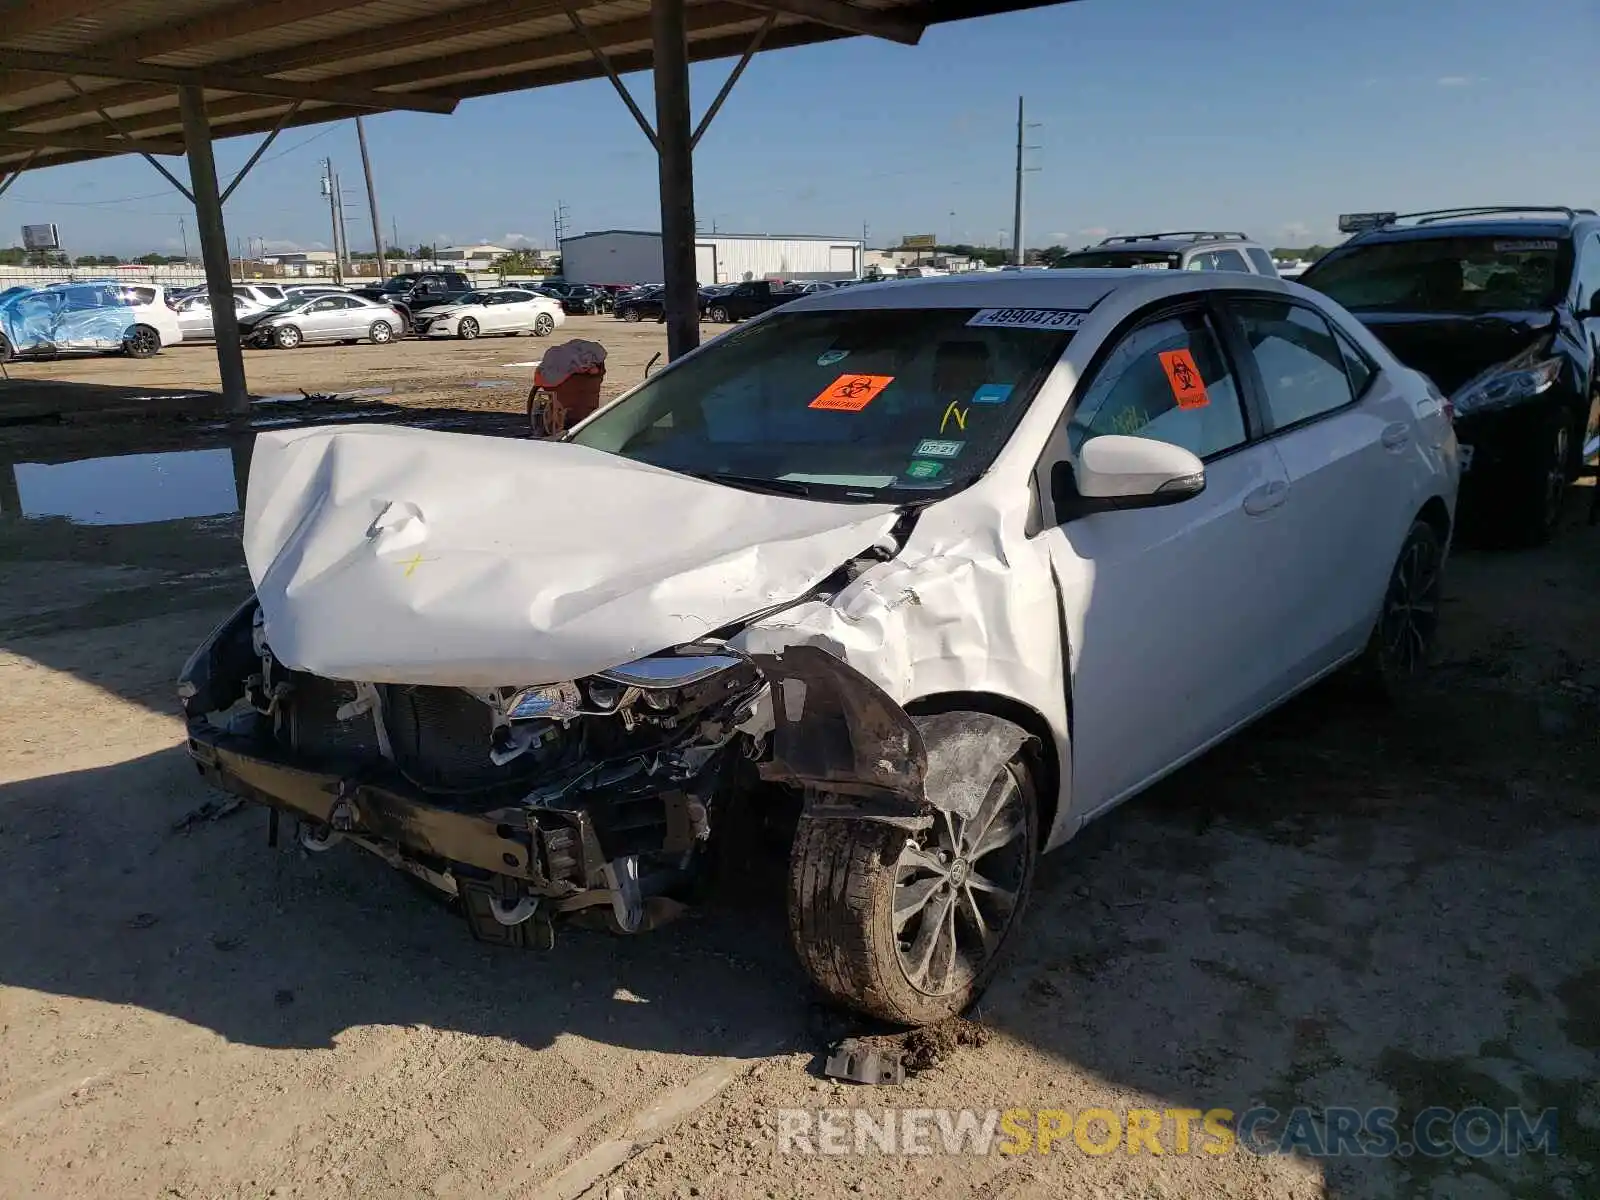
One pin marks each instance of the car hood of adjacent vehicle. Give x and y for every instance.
(1453, 348)
(395, 555)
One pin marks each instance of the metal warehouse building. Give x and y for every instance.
(632, 256)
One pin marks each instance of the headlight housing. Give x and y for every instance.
(1502, 387)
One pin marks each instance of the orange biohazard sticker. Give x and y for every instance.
(851, 393)
(1188, 389)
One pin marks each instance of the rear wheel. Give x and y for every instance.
(544, 325)
(909, 927)
(5, 349)
(630, 314)
(381, 333)
(286, 337)
(467, 330)
(1400, 649)
(143, 342)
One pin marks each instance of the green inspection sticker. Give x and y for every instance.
(922, 469)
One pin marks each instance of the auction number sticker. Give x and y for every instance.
(1027, 318)
(1530, 244)
(935, 448)
(851, 393)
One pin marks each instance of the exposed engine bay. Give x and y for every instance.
(607, 784)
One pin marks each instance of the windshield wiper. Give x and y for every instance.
(754, 483)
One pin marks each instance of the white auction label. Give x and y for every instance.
(1028, 318)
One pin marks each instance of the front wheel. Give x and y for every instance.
(381, 333)
(630, 315)
(143, 342)
(544, 325)
(467, 330)
(909, 927)
(720, 316)
(286, 337)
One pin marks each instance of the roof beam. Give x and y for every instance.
(76, 140)
(420, 32)
(241, 20)
(69, 65)
(20, 17)
(864, 21)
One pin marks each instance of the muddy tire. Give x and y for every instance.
(893, 924)
(1400, 649)
(381, 333)
(143, 342)
(286, 337)
(544, 325)
(467, 330)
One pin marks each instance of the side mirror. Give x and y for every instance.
(1115, 471)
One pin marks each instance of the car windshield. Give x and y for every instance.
(474, 298)
(1122, 258)
(860, 404)
(1442, 275)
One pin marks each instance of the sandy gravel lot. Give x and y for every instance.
(1342, 907)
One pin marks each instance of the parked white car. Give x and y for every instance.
(494, 310)
(964, 563)
(195, 319)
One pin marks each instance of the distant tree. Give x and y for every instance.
(987, 255)
(423, 253)
(1309, 254)
(159, 260)
(96, 260)
(1052, 256)
(518, 262)
(13, 256)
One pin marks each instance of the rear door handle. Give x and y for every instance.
(1395, 436)
(1266, 497)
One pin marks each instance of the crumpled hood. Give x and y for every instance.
(394, 555)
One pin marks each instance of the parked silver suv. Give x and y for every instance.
(1184, 250)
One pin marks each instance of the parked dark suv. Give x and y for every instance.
(1501, 307)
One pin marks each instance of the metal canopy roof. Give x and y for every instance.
(81, 79)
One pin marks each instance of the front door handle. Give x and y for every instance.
(1266, 497)
(1395, 436)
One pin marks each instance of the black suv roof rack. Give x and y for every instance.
(1194, 235)
(1362, 222)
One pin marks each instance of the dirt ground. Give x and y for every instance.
(469, 375)
(1343, 907)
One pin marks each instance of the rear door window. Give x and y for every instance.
(1262, 260)
(1303, 369)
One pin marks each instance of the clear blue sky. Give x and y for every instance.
(1270, 116)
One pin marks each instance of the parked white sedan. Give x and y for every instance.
(965, 562)
(194, 314)
(496, 310)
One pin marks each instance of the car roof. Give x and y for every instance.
(1506, 227)
(1068, 288)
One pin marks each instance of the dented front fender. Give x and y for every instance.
(842, 738)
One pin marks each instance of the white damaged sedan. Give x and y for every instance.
(507, 311)
(949, 566)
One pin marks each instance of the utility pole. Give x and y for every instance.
(330, 189)
(372, 199)
(183, 232)
(345, 265)
(1018, 252)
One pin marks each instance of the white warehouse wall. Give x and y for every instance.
(619, 256)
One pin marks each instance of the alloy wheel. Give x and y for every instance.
(468, 329)
(1411, 609)
(956, 890)
(543, 325)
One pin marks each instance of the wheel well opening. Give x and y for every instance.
(1047, 764)
(1436, 514)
